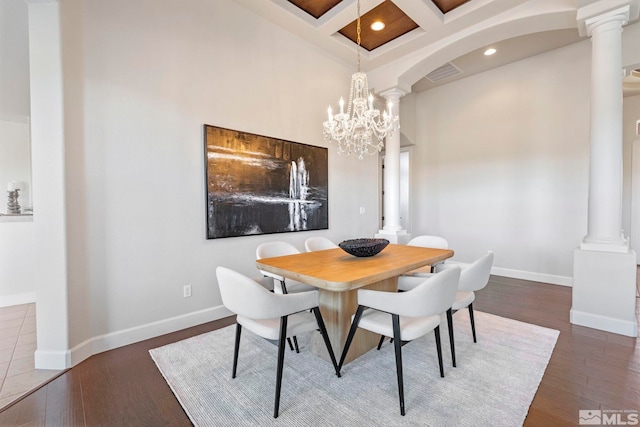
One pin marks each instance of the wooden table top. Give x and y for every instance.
(335, 270)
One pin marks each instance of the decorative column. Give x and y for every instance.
(604, 268)
(392, 229)
(605, 167)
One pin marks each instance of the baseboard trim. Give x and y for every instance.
(604, 323)
(534, 277)
(526, 275)
(17, 299)
(124, 337)
(55, 360)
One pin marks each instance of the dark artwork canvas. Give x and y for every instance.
(262, 185)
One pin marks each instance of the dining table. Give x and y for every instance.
(338, 276)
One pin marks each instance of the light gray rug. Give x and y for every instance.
(494, 383)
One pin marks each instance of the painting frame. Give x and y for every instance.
(256, 184)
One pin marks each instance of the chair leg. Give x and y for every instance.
(453, 346)
(381, 340)
(283, 334)
(473, 323)
(436, 332)
(284, 287)
(352, 332)
(236, 349)
(295, 341)
(325, 337)
(398, 347)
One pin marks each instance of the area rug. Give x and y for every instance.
(494, 383)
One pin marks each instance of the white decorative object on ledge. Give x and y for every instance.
(13, 206)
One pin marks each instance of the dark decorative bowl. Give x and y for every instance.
(363, 247)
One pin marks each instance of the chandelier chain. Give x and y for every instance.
(358, 35)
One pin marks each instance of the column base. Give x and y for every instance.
(400, 237)
(618, 245)
(604, 291)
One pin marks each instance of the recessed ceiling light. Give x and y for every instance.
(489, 51)
(377, 25)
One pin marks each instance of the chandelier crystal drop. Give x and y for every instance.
(362, 129)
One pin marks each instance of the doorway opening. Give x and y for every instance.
(405, 178)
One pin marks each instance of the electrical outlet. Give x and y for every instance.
(362, 210)
(186, 291)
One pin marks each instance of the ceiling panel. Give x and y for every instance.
(448, 5)
(396, 24)
(315, 8)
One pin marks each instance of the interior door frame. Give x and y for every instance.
(635, 199)
(405, 188)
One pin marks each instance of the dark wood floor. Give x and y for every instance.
(589, 369)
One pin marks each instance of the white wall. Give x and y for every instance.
(503, 161)
(631, 114)
(16, 235)
(16, 263)
(630, 51)
(15, 150)
(151, 73)
(15, 159)
(49, 173)
(14, 60)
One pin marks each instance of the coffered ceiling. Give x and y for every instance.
(428, 42)
(397, 23)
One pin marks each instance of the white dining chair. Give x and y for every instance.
(427, 241)
(265, 282)
(270, 316)
(318, 243)
(473, 278)
(407, 283)
(280, 285)
(405, 316)
(416, 276)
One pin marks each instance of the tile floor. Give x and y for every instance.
(17, 345)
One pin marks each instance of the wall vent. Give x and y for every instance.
(443, 72)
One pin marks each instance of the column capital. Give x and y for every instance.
(602, 12)
(393, 94)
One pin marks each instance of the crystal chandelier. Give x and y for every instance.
(362, 129)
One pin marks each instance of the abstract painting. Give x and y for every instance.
(262, 185)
